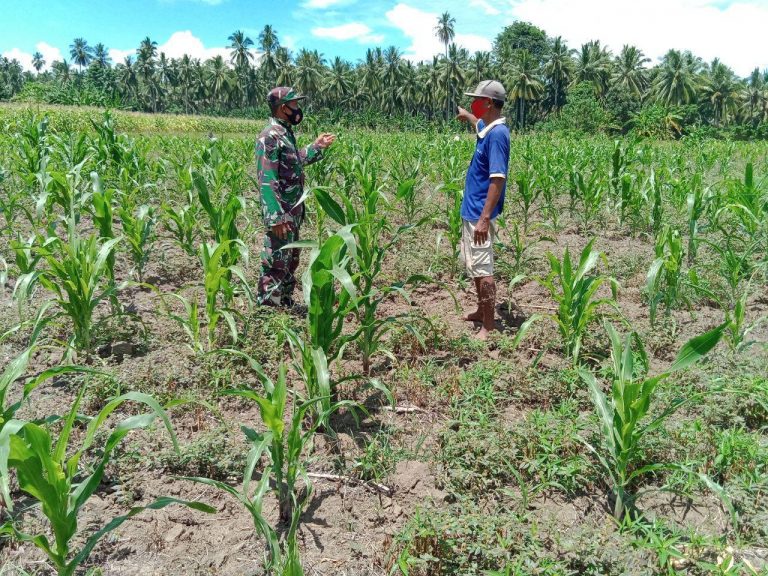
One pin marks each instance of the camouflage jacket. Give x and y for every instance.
(280, 172)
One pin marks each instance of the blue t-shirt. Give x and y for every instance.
(491, 159)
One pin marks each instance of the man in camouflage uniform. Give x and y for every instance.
(280, 172)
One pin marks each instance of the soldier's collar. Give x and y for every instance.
(282, 123)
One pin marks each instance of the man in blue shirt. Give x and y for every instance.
(483, 200)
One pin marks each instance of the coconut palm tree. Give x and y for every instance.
(241, 56)
(373, 73)
(101, 56)
(392, 77)
(338, 83)
(452, 76)
(753, 93)
(61, 71)
(286, 71)
(720, 89)
(38, 61)
(268, 43)
(127, 78)
(409, 89)
(81, 53)
(145, 69)
(310, 69)
(524, 84)
(218, 79)
(185, 79)
(444, 30)
(481, 65)
(558, 69)
(676, 80)
(629, 71)
(593, 64)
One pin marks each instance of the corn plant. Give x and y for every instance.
(590, 193)
(62, 486)
(217, 283)
(407, 176)
(573, 288)
(665, 281)
(190, 321)
(14, 372)
(330, 295)
(653, 193)
(369, 227)
(102, 212)
(747, 203)
(68, 191)
(698, 200)
(454, 224)
(182, 223)
(12, 203)
(286, 447)
(622, 412)
(737, 329)
(77, 275)
(528, 192)
(222, 207)
(515, 254)
(28, 255)
(138, 230)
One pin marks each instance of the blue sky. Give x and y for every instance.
(732, 30)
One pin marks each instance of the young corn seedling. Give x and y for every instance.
(190, 321)
(528, 192)
(369, 227)
(621, 413)
(573, 288)
(286, 448)
(78, 276)
(28, 255)
(217, 283)
(330, 294)
(698, 201)
(14, 373)
(49, 471)
(515, 254)
(665, 281)
(223, 209)
(454, 225)
(138, 230)
(102, 212)
(182, 223)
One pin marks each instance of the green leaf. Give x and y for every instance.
(330, 206)
(696, 348)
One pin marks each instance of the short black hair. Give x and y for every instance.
(498, 104)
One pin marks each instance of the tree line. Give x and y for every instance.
(547, 81)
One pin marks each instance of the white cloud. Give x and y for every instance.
(180, 43)
(289, 42)
(322, 4)
(118, 56)
(419, 26)
(352, 31)
(184, 42)
(709, 28)
(50, 55)
(24, 58)
(485, 7)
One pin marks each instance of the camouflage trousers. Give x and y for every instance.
(278, 268)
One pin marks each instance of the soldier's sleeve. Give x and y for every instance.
(310, 154)
(267, 165)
